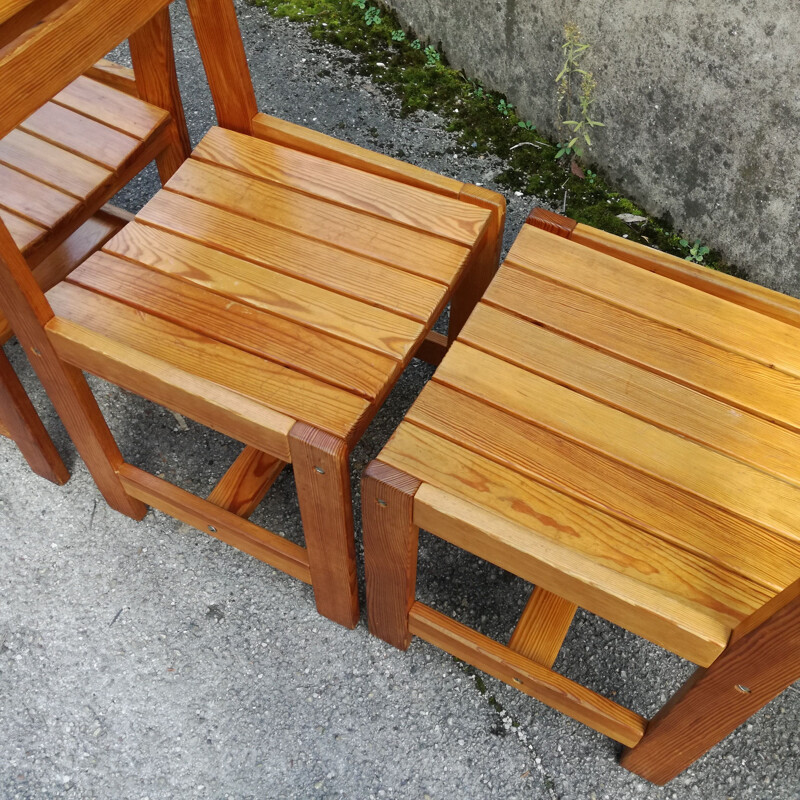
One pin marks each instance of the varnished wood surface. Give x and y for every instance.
(308, 302)
(588, 392)
(526, 675)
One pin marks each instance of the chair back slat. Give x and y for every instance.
(222, 50)
(67, 42)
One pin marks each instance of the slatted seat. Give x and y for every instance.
(274, 290)
(58, 168)
(234, 275)
(619, 432)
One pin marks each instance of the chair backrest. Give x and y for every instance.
(46, 44)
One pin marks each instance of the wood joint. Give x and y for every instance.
(551, 222)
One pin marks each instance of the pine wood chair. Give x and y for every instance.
(619, 428)
(274, 290)
(60, 165)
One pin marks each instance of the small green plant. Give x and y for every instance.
(372, 16)
(528, 126)
(696, 251)
(576, 84)
(416, 44)
(362, 4)
(432, 57)
(399, 35)
(591, 177)
(504, 107)
(565, 149)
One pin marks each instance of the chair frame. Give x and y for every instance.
(762, 657)
(92, 229)
(319, 459)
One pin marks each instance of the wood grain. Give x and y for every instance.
(352, 231)
(749, 674)
(390, 550)
(278, 293)
(192, 354)
(245, 484)
(709, 318)
(358, 189)
(718, 373)
(749, 492)
(676, 516)
(663, 619)
(20, 422)
(310, 141)
(535, 680)
(541, 629)
(322, 477)
(219, 523)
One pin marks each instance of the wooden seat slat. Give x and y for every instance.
(111, 107)
(284, 295)
(636, 391)
(674, 515)
(356, 278)
(219, 317)
(234, 371)
(366, 236)
(720, 594)
(80, 135)
(33, 200)
(712, 319)
(753, 494)
(52, 165)
(376, 195)
(24, 233)
(719, 373)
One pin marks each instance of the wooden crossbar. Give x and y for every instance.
(563, 694)
(245, 484)
(224, 525)
(542, 627)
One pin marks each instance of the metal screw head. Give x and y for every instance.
(381, 502)
(320, 470)
(742, 689)
(36, 351)
(517, 680)
(212, 529)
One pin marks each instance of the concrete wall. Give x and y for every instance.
(701, 100)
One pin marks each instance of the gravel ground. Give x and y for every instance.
(146, 660)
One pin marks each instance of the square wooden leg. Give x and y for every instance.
(322, 476)
(390, 550)
(755, 668)
(22, 423)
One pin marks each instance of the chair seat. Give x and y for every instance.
(622, 439)
(264, 285)
(57, 167)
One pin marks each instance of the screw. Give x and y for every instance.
(381, 502)
(36, 351)
(212, 529)
(320, 470)
(742, 689)
(517, 680)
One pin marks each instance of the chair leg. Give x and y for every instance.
(390, 551)
(20, 419)
(752, 670)
(484, 263)
(322, 476)
(76, 406)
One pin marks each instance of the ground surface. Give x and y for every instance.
(146, 660)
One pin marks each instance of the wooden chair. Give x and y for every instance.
(60, 165)
(621, 429)
(274, 290)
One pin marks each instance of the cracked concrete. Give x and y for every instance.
(147, 660)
